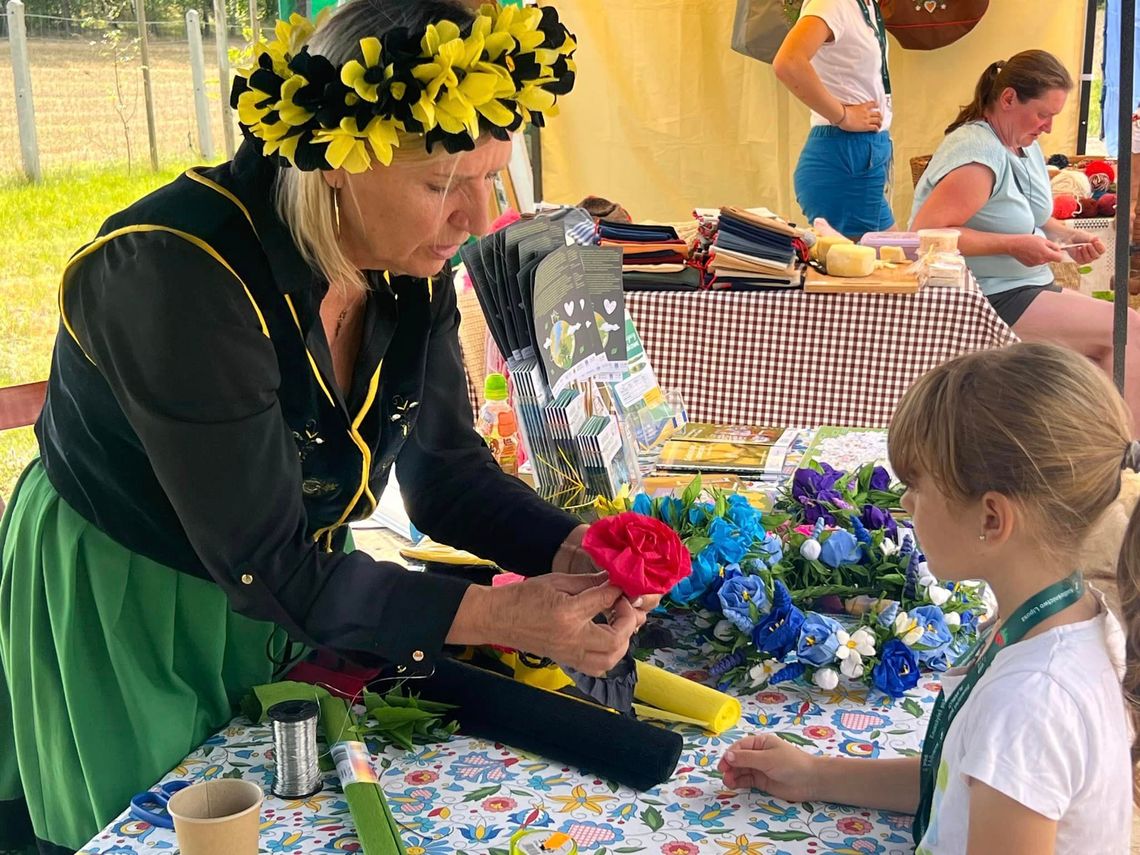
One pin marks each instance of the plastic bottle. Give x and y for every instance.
(495, 395)
(505, 443)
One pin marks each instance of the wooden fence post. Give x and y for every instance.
(148, 92)
(198, 75)
(221, 35)
(25, 114)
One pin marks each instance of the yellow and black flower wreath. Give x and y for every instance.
(448, 83)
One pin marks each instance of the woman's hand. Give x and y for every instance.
(863, 117)
(551, 616)
(572, 558)
(1034, 250)
(766, 762)
(1091, 247)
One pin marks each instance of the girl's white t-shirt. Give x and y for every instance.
(851, 66)
(1046, 725)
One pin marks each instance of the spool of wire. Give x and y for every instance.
(297, 773)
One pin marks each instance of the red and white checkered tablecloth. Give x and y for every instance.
(796, 359)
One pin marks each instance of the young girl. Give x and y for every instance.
(1009, 458)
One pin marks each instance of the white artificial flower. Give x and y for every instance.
(724, 630)
(938, 595)
(764, 672)
(925, 577)
(826, 678)
(889, 547)
(852, 666)
(908, 630)
(811, 549)
(953, 620)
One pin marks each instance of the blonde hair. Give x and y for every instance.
(1041, 425)
(304, 200)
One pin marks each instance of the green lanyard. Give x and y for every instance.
(881, 34)
(1056, 598)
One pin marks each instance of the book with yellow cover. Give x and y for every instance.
(763, 461)
(740, 434)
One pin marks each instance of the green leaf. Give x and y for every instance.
(232, 773)
(875, 734)
(625, 850)
(482, 793)
(809, 808)
(794, 738)
(613, 785)
(389, 717)
(696, 544)
(912, 707)
(692, 492)
(786, 836)
(497, 851)
(652, 817)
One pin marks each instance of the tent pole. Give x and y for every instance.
(1124, 197)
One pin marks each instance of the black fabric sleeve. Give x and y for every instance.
(178, 339)
(452, 487)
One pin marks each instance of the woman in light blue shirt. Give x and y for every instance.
(988, 180)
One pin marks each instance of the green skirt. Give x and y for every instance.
(112, 668)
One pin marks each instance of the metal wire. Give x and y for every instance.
(297, 773)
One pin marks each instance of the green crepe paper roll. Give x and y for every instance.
(376, 828)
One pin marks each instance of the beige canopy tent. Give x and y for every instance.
(665, 116)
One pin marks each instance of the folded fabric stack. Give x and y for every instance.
(753, 250)
(654, 257)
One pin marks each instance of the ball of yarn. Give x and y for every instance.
(1106, 205)
(1058, 160)
(1088, 206)
(1065, 206)
(1100, 167)
(1071, 182)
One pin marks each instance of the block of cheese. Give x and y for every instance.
(894, 254)
(823, 245)
(850, 260)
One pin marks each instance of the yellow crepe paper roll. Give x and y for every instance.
(716, 711)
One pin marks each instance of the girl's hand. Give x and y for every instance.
(862, 117)
(766, 762)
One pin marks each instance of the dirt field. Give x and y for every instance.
(76, 121)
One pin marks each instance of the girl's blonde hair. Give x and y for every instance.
(305, 201)
(1041, 425)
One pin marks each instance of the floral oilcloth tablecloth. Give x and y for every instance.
(469, 795)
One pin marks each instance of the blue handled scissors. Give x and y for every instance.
(150, 806)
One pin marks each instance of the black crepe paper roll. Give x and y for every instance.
(578, 733)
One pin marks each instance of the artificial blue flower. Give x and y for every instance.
(671, 510)
(887, 616)
(818, 640)
(840, 548)
(935, 633)
(771, 550)
(710, 600)
(897, 671)
(936, 661)
(779, 631)
(742, 600)
(969, 623)
(726, 539)
(643, 505)
(704, 571)
(876, 519)
(880, 479)
(700, 512)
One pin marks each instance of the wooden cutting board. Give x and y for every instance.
(885, 280)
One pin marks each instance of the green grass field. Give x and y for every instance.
(46, 224)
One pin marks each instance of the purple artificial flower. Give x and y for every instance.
(811, 488)
(880, 479)
(876, 518)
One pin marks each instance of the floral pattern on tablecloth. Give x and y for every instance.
(470, 796)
